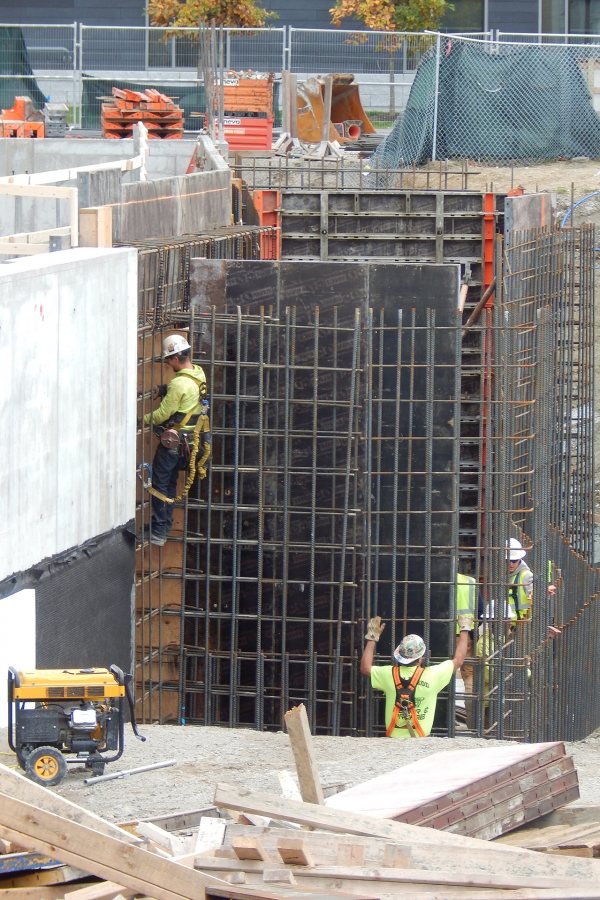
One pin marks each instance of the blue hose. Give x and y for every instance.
(567, 215)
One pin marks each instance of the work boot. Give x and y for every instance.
(155, 536)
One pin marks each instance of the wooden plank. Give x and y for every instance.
(249, 848)
(95, 227)
(19, 787)
(49, 892)
(437, 847)
(403, 876)
(296, 721)
(98, 854)
(35, 878)
(103, 890)
(170, 842)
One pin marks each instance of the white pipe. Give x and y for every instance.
(124, 772)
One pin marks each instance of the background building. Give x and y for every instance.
(553, 16)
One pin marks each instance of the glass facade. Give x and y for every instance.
(571, 16)
(467, 15)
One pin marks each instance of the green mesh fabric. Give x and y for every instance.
(16, 76)
(498, 103)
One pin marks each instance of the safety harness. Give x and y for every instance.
(189, 453)
(405, 702)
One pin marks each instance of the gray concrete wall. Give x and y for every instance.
(68, 324)
(169, 203)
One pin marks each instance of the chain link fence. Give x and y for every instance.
(502, 98)
(497, 102)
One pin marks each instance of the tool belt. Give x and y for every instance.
(172, 436)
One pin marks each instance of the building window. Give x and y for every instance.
(570, 17)
(467, 15)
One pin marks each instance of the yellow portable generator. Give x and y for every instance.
(80, 712)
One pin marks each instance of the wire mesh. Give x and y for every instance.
(361, 52)
(498, 102)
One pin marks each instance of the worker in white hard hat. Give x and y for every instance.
(411, 689)
(520, 591)
(174, 422)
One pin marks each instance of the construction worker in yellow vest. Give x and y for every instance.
(520, 590)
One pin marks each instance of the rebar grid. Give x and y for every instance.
(336, 490)
(163, 306)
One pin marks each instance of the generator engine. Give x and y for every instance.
(57, 716)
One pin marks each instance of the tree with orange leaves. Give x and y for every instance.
(188, 13)
(387, 15)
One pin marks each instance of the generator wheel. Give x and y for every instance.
(46, 765)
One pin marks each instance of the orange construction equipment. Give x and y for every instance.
(159, 113)
(22, 120)
(346, 111)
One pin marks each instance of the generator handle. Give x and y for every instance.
(126, 680)
(13, 679)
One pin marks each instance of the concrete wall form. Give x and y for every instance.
(166, 205)
(67, 341)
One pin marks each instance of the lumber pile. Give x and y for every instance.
(570, 832)
(345, 854)
(483, 792)
(159, 113)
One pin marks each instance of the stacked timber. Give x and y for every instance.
(484, 792)
(345, 854)
(161, 116)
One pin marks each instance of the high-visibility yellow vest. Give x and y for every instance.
(519, 601)
(466, 598)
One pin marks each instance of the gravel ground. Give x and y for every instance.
(207, 756)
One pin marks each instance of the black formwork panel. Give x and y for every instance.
(408, 226)
(307, 531)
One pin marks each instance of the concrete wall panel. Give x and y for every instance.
(67, 342)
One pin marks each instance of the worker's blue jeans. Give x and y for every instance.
(165, 472)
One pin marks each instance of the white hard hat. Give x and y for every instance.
(514, 550)
(411, 648)
(173, 344)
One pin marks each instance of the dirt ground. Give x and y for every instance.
(205, 757)
(567, 178)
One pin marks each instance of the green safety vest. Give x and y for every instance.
(466, 597)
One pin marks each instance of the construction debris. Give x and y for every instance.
(254, 848)
(156, 111)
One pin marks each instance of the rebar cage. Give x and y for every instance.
(337, 485)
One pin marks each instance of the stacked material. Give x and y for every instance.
(21, 120)
(247, 93)
(248, 106)
(345, 855)
(159, 114)
(482, 793)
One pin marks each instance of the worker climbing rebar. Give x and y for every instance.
(181, 423)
